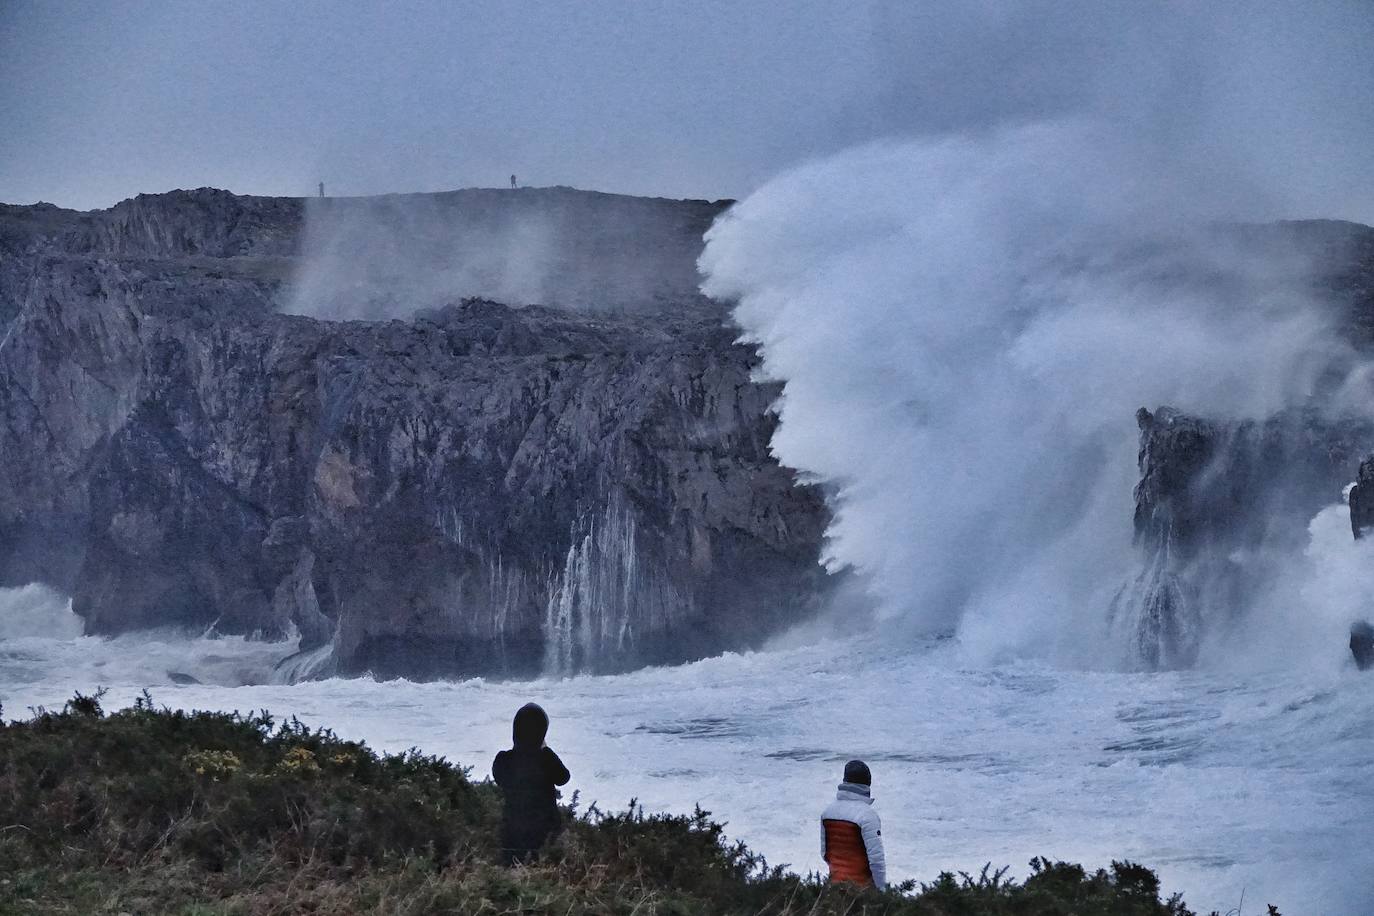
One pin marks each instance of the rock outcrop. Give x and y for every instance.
(1361, 500)
(1221, 502)
(479, 489)
(1232, 485)
(1361, 524)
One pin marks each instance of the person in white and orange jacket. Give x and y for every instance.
(851, 832)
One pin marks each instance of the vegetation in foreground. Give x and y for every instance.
(156, 811)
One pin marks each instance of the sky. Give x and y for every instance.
(100, 101)
(703, 99)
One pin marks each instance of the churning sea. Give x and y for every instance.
(1258, 784)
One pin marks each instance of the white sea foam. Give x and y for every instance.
(37, 611)
(41, 643)
(1223, 782)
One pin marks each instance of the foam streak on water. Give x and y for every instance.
(1221, 783)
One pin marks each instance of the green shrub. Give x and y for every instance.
(158, 811)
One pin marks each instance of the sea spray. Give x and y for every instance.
(37, 611)
(965, 348)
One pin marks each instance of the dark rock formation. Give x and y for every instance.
(1361, 523)
(1362, 500)
(482, 489)
(1362, 645)
(1216, 505)
(1207, 483)
(1217, 508)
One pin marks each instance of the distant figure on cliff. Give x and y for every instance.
(512, 182)
(528, 775)
(852, 834)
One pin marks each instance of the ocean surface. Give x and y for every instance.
(1260, 783)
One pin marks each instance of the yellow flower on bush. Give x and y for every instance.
(215, 764)
(299, 761)
(343, 759)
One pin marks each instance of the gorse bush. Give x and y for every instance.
(218, 788)
(157, 811)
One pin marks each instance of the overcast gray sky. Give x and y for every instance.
(103, 100)
(99, 101)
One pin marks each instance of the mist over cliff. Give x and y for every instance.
(387, 257)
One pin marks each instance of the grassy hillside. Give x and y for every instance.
(155, 811)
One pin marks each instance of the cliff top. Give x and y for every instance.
(391, 255)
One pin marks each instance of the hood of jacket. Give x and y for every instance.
(530, 727)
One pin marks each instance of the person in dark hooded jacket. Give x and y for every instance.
(529, 774)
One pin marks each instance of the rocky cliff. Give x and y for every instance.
(1221, 502)
(1219, 508)
(480, 488)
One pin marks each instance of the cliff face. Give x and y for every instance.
(1221, 503)
(480, 489)
(1235, 485)
(1219, 508)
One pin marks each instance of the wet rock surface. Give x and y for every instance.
(482, 489)
(1362, 645)
(1218, 507)
(1361, 524)
(1362, 500)
(1207, 483)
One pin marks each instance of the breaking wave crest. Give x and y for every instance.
(41, 641)
(964, 351)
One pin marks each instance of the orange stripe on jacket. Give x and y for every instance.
(846, 853)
